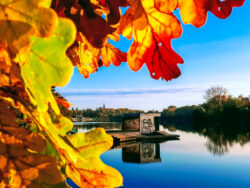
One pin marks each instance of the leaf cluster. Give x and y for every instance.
(151, 24)
(33, 44)
(39, 42)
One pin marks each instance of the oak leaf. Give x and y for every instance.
(152, 32)
(90, 24)
(11, 83)
(166, 6)
(88, 58)
(89, 170)
(195, 11)
(21, 18)
(113, 17)
(21, 165)
(44, 67)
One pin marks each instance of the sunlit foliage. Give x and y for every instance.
(41, 41)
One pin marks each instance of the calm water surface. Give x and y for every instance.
(192, 161)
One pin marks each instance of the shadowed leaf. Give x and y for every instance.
(21, 18)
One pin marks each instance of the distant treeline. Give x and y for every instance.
(223, 119)
(219, 107)
(103, 114)
(223, 109)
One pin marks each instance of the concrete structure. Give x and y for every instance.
(145, 123)
(140, 127)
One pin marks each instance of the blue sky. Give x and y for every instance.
(218, 54)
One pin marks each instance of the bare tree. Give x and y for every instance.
(215, 92)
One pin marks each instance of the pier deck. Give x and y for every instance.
(128, 136)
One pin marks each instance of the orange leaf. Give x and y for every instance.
(63, 102)
(88, 58)
(195, 11)
(152, 31)
(166, 6)
(19, 166)
(111, 54)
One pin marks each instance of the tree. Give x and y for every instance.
(216, 93)
(35, 37)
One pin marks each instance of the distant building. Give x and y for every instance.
(103, 105)
(77, 118)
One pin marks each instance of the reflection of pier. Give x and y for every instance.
(142, 153)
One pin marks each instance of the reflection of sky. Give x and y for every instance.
(186, 163)
(216, 54)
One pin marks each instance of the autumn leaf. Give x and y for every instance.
(62, 102)
(88, 58)
(113, 17)
(33, 42)
(81, 153)
(152, 32)
(11, 83)
(35, 66)
(21, 18)
(166, 6)
(89, 170)
(62, 6)
(21, 165)
(43, 67)
(151, 24)
(90, 24)
(111, 54)
(195, 11)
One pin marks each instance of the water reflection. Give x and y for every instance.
(87, 126)
(141, 153)
(205, 156)
(220, 137)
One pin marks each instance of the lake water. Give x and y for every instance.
(192, 161)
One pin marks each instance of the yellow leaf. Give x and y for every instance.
(44, 67)
(21, 18)
(89, 170)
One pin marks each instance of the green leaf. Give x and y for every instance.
(47, 65)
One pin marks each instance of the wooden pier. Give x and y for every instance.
(128, 136)
(141, 127)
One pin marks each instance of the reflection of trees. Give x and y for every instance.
(223, 119)
(221, 136)
(219, 147)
